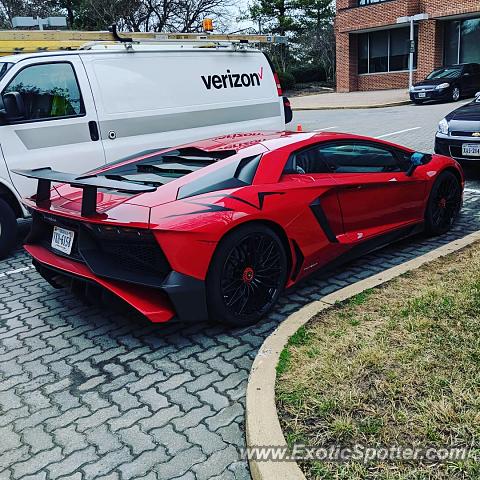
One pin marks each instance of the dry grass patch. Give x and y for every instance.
(397, 365)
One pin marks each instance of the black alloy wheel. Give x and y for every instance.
(248, 273)
(444, 204)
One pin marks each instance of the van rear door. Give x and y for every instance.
(59, 126)
(153, 99)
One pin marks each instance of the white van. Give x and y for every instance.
(73, 111)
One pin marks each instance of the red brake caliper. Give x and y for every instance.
(248, 275)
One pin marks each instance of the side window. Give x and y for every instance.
(308, 161)
(48, 91)
(359, 158)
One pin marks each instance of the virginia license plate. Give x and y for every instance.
(422, 95)
(62, 240)
(471, 149)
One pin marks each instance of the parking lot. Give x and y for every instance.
(89, 393)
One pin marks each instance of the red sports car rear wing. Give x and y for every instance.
(89, 183)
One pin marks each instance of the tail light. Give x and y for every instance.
(279, 86)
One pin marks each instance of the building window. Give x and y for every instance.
(361, 3)
(462, 41)
(385, 50)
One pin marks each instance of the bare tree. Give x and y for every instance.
(132, 15)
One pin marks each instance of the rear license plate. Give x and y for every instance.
(471, 149)
(422, 95)
(62, 240)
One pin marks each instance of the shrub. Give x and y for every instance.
(310, 73)
(287, 80)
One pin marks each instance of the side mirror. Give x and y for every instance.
(416, 160)
(13, 107)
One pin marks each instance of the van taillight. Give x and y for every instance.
(279, 86)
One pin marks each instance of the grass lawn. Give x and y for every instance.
(397, 365)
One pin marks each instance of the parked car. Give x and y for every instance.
(458, 134)
(448, 83)
(74, 111)
(218, 228)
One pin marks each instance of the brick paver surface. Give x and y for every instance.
(87, 393)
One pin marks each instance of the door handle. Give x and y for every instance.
(94, 135)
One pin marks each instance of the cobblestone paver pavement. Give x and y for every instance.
(90, 394)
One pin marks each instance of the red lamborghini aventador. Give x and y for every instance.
(218, 228)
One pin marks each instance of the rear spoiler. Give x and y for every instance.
(89, 183)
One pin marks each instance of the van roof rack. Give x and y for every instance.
(31, 41)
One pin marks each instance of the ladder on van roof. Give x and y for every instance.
(31, 41)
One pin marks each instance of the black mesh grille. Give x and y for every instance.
(134, 256)
(118, 253)
(465, 134)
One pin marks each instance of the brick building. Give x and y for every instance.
(372, 49)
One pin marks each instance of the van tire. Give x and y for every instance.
(8, 229)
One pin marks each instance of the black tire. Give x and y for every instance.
(8, 229)
(444, 204)
(246, 276)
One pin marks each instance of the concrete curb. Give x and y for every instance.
(262, 424)
(353, 107)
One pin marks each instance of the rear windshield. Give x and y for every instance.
(447, 72)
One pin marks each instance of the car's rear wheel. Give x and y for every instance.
(456, 94)
(247, 274)
(444, 204)
(8, 229)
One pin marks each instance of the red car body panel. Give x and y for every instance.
(144, 300)
(355, 208)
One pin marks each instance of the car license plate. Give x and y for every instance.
(422, 95)
(471, 149)
(62, 240)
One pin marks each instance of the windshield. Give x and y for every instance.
(447, 72)
(4, 68)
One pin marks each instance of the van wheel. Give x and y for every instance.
(247, 274)
(8, 229)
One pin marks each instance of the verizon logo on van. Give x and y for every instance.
(233, 80)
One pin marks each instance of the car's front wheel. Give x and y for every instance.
(444, 204)
(247, 274)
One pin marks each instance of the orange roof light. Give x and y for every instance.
(207, 25)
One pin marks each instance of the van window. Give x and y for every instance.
(48, 91)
